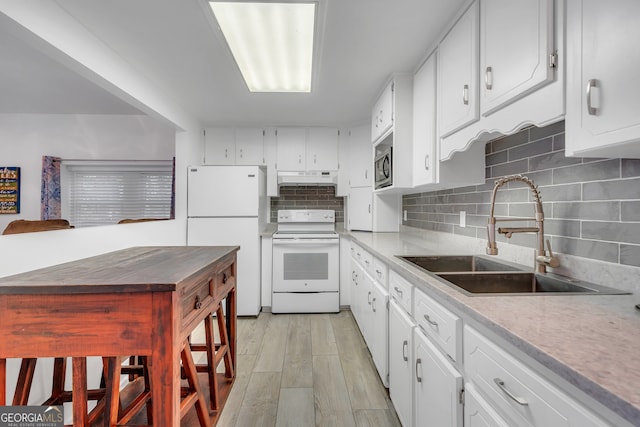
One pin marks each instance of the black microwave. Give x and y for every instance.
(382, 167)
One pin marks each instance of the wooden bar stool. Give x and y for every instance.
(58, 395)
(216, 352)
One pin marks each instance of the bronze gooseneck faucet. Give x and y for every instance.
(542, 259)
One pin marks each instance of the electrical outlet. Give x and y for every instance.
(404, 215)
(463, 219)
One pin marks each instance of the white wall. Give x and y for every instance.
(50, 28)
(25, 138)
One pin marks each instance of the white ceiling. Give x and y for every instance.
(177, 45)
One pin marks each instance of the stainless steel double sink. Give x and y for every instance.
(478, 275)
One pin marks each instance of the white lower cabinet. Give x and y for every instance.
(438, 386)
(401, 362)
(369, 307)
(518, 394)
(378, 334)
(477, 412)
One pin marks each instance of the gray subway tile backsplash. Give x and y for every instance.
(630, 255)
(622, 189)
(591, 206)
(308, 197)
(602, 170)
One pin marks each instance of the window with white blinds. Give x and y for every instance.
(105, 192)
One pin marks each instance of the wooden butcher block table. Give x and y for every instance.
(142, 301)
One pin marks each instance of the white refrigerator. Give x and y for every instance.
(228, 206)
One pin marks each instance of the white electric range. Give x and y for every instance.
(306, 262)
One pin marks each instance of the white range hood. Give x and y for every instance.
(307, 178)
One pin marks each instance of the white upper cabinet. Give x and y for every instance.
(307, 149)
(291, 146)
(382, 114)
(516, 46)
(520, 74)
(250, 146)
(458, 74)
(424, 123)
(219, 146)
(465, 168)
(234, 146)
(322, 149)
(603, 97)
(360, 157)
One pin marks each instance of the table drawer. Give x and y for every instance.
(515, 391)
(224, 277)
(441, 325)
(196, 297)
(401, 291)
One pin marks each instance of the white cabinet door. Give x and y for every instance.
(360, 208)
(250, 146)
(360, 157)
(401, 363)
(358, 294)
(437, 386)
(379, 345)
(219, 146)
(291, 144)
(425, 156)
(603, 97)
(458, 74)
(382, 114)
(516, 39)
(322, 149)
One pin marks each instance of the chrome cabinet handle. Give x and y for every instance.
(488, 78)
(465, 94)
(418, 377)
(373, 305)
(427, 162)
(241, 153)
(366, 174)
(369, 298)
(226, 153)
(379, 273)
(369, 208)
(398, 291)
(366, 261)
(431, 322)
(405, 346)
(590, 85)
(518, 400)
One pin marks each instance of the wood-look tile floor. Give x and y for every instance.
(304, 370)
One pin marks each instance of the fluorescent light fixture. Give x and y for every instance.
(272, 43)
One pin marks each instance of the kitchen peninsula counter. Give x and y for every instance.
(138, 301)
(590, 341)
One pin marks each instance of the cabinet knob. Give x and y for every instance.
(197, 303)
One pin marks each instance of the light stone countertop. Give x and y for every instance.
(591, 341)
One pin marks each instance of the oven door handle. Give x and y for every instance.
(290, 242)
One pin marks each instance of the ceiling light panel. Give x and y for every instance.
(272, 43)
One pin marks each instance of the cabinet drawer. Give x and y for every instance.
(441, 325)
(401, 291)
(515, 391)
(380, 272)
